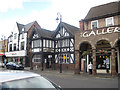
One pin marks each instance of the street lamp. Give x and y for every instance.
(60, 57)
(59, 17)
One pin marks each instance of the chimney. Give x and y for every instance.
(81, 25)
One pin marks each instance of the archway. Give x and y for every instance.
(103, 53)
(85, 56)
(117, 46)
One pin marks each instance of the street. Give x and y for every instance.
(70, 80)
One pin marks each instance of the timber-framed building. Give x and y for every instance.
(50, 48)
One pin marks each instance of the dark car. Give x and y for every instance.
(2, 65)
(20, 80)
(12, 65)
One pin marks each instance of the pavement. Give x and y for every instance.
(70, 72)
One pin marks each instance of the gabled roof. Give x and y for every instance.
(20, 26)
(26, 27)
(70, 28)
(105, 10)
(44, 33)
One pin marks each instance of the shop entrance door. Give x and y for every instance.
(48, 61)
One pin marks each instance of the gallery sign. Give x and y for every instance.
(101, 32)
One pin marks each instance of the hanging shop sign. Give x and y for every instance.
(101, 32)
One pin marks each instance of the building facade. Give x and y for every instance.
(3, 50)
(64, 46)
(42, 48)
(52, 48)
(98, 40)
(18, 42)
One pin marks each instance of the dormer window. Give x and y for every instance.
(94, 24)
(23, 29)
(109, 21)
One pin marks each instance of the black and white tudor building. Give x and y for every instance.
(50, 48)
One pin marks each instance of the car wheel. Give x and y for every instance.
(7, 67)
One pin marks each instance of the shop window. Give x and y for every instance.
(109, 21)
(37, 58)
(68, 59)
(94, 24)
(103, 62)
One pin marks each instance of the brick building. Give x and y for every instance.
(98, 40)
(3, 49)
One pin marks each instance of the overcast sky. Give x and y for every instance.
(44, 12)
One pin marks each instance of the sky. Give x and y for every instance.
(44, 12)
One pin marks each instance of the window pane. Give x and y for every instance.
(15, 47)
(109, 21)
(22, 45)
(10, 47)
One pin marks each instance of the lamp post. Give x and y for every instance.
(59, 17)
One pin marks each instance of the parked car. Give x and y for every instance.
(2, 65)
(12, 65)
(14, 79)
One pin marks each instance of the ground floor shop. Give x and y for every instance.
(3, 58)
(102, 50)
(52, 61)
(42, 60)
(18, 57)
(17, 60)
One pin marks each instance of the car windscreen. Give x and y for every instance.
(33, 82)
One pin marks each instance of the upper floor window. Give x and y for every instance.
(15, 36)
(22, 35)
(109, 21)
(94, 24)
(15, 47)
(22, 45)
(36, 43)
(10, 47)
(11, 39)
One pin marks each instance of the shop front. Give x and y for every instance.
(3, 58)
(42, 61)
(101, 47)
(18, 57)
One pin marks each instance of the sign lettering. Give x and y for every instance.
(109, 30)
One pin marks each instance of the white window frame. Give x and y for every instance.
(36, 59)
(93, 22)
(15, 36)
(107, 21)
(22, 35)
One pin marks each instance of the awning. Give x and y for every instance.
(1, 54)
